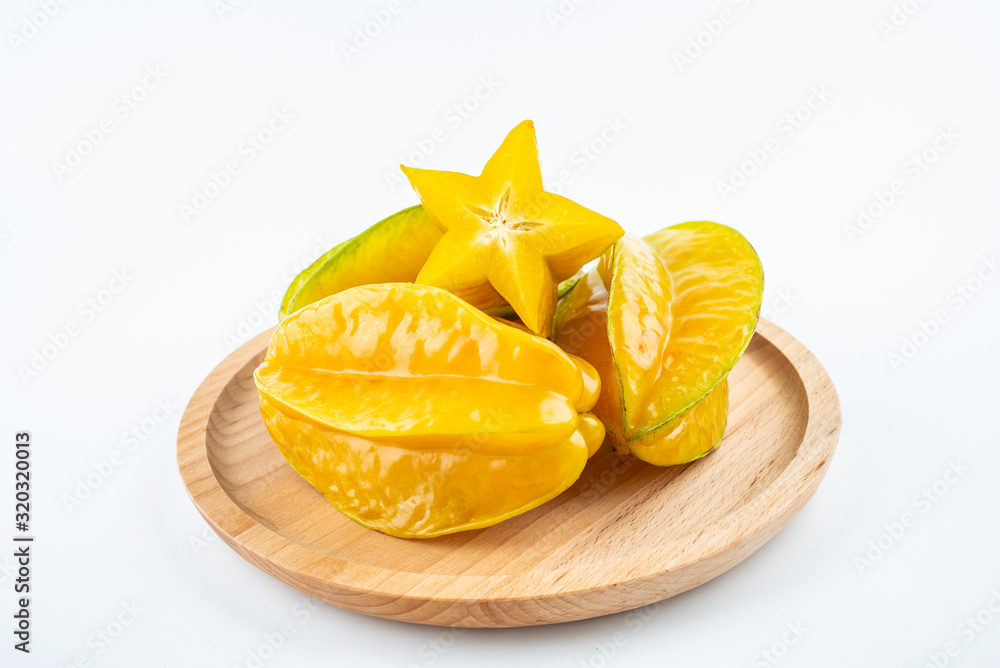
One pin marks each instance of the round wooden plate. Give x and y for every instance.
(625, 535)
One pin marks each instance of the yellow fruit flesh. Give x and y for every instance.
(694, 310)
(717, 284)
(689, 436)
(582, 329)
(639, 321)
(507, 241)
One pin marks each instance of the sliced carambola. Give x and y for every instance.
(664, 320)
(639, 322)
(688, 436)
(717, 284)
(507, 241)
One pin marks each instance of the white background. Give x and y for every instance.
(195, 286)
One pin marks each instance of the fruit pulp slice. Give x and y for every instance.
(639, 322)
(714, 281)
(717, 284)
(507, 241)
(689, 436)
(581, 329)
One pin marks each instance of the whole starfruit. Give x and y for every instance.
(418, 415)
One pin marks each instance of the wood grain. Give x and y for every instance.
(625, 535)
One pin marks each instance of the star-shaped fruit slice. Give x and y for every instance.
(506, 240)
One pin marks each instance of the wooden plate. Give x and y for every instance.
(625, 535)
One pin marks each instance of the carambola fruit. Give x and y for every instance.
(507, 241)
(418, 415)
(664, 320)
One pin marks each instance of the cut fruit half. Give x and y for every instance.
(664, 320)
